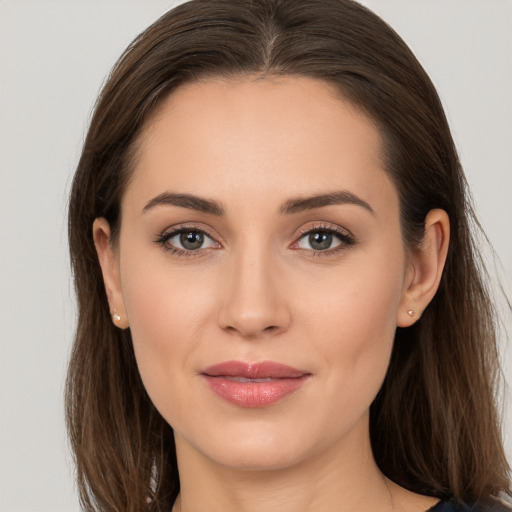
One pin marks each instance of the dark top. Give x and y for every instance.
(447, 506)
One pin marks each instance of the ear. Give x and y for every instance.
(425, 268)
(110, 269)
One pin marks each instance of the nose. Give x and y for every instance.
(254, 301)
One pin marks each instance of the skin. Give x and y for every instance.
(258, 291)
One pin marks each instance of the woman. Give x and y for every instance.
(270, 236)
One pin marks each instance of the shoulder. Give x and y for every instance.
(449, 506)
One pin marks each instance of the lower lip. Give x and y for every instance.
(254, 394)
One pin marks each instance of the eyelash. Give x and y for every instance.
(166, 236)
(346, 240)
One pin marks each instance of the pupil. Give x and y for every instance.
(320, 241)
(191, 240)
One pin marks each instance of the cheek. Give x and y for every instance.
(352, 322)
(167, 309)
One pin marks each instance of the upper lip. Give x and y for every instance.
(262, 370)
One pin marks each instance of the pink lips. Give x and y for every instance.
(253, 385)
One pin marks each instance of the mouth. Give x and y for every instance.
(254, 385)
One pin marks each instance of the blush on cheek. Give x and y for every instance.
(166, 314)
(355, 332)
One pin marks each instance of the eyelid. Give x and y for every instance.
(172, 231)
(346, 238)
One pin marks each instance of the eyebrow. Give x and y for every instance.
(291, 206)
(186, 201)
(301, 204)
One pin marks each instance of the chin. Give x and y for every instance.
(247, 447)
(259, 458)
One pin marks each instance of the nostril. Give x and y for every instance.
(252, 315)
(252, 331)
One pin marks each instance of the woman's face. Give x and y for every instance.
(260, 227)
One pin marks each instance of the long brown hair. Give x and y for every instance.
(434, 425)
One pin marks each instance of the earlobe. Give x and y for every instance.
(425, 270)
(110, 270)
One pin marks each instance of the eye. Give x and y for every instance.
(324, 240)
(319, 241)
(186, 240)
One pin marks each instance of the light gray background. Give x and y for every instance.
(54, 56)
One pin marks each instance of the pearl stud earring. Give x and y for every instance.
(115, 316)
(411, 312)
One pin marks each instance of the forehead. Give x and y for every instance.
(264, 137)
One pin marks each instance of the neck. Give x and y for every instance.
(341, 479)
